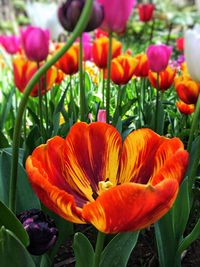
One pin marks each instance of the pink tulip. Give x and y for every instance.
(158, 57)
(116, 14)
(87, 46)
(101, 115)
(35, 43)
(11, 43)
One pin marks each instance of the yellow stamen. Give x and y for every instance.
(104, 186)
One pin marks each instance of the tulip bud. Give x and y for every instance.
(11, 43)
(158, 57)
(70, 12)
(185, 108)
(145, 11)
(35, 43)
(41, 230)
(192, 52)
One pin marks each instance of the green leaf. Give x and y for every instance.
(12, 251)
(83, 250)
(167, 244)
(45, 261)
(181, 210)
(57, 111)
(118, 251)
(26, 198)
(3, 141)
(6, 108)
(10, 221)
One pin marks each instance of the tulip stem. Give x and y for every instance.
(194, 124)
(103, 87)
(82, 22)
(108, 78)
(157, 103)
(40, 109)
(81, 81)
(98, 248)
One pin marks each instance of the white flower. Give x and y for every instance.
(44, 15)
(192, 52)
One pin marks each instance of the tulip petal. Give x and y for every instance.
(138, 156)
(51, 196)
(131, 206)
(93, 154)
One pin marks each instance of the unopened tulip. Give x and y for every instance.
(142, 67)
(41, 229)
(185, 108)
(100, 51)
(166, 78)
(122, 69)
(24, 70)
(35, 43)
(145, 11)
(11, 43)
(68, 63)
(70, 11)
(180, 44)
(187, 89)
(192, 52)
(116, 14)
(158, 57)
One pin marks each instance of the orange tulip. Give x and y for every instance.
(68, 63)
(187, 89)
(142, 68)
(24, 69)
(185, 108)
(2, 63)
(166, 78)
(100, 51)
(60, 76)
(122, 68)
(90, 176)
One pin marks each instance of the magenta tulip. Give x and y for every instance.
(11, 43)
(116, 14)
(158, 57)
(35, 43)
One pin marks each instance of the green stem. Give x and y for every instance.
(98, 248)
(103, 87)
(40, 109)
(157, 104)
(46, 106)
(17, 128)
(81, 82)
(108, 78)
(187, 241)
(194, 124)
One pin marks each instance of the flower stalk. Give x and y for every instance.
(98, 248)
(108, 78)
(81, 81)
(18, 124)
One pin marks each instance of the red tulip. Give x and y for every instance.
(180, 44)
(90, 176)
(145, 11)
(142, 67)
(185, 108)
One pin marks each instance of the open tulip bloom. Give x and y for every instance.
(92, 177)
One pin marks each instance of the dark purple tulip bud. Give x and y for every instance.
(70, 12)
(41, 230)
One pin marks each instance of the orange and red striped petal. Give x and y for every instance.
(51, 195)
(173, 168)
(93, 153)
(130, 207)
(138, 155)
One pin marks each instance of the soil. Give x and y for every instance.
(144, 254)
